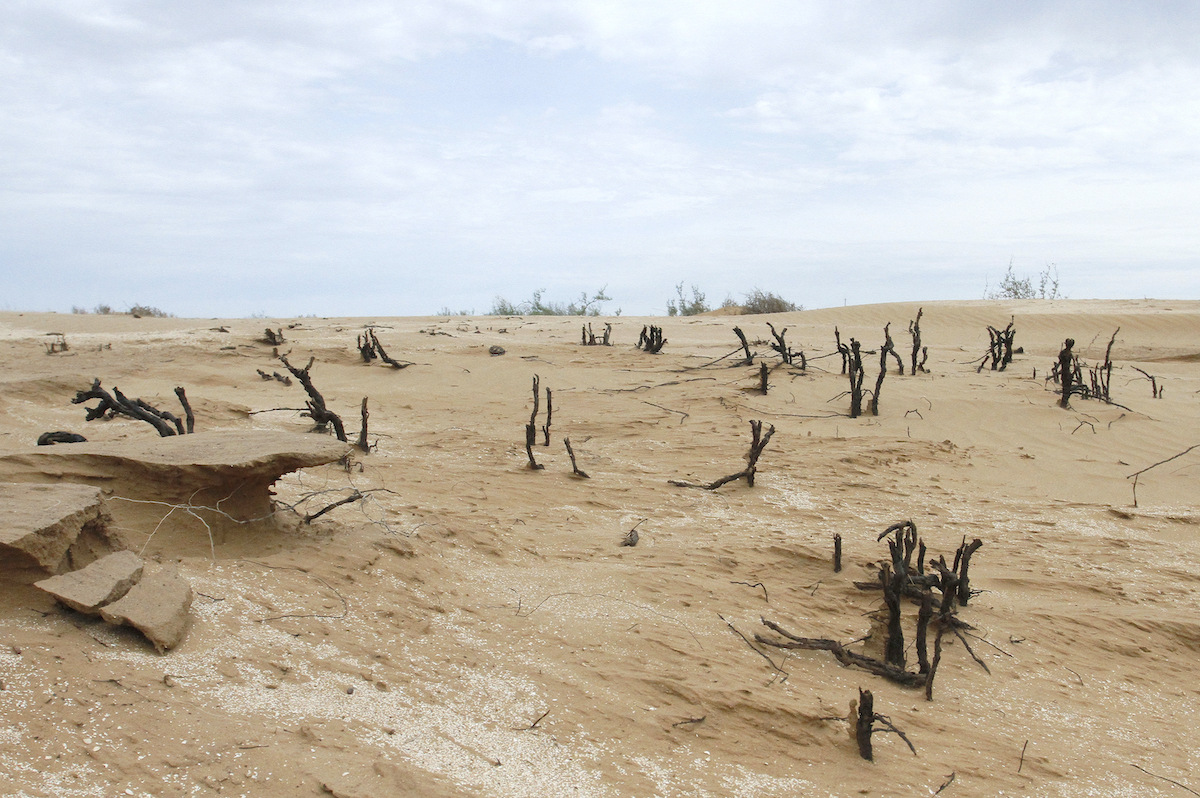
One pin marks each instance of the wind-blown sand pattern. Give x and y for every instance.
(474, 627)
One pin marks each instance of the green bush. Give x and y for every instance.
(537, 307)
(759, 301)
(1013, 287)
(142, 311)
(684, 307)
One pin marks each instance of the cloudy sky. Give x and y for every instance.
(233, 157)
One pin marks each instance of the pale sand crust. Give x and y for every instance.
(405, 645)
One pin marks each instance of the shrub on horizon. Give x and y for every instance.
(1013, 287)
(536, 307)
(142, 311)
(684, 307)
(759, 301)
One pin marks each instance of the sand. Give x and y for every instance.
(474, 627)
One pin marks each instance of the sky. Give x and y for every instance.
(377, 157)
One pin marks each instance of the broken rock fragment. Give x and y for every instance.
(157, 606)
(101, 583)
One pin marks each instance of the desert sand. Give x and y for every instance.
(473, 627)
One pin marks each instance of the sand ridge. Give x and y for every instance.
(408, 642)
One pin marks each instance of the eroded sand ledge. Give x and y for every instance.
(230, 469)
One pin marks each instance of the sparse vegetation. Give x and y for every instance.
(585, 306)
(142, 311)
(685, 307)
(1013, 287)
(446, 311)
(137, 311)
(759, 301)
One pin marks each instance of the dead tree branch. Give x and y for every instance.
(575, 469)
(321, 415)
(757, 444)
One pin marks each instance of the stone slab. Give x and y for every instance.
(157, 606)
(96, 585)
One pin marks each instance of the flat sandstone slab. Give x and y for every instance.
(203, 468)
(39, 523)
(103, 582)
(157, 606)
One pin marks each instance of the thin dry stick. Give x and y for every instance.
(575, 469)
(753, 647)
(1134, 476)
(353, 497)
(1164, 778)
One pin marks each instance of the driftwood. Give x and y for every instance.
(531, 427)
(864, 717)
(588, 338)
(651, 340)
(757, 444)
(842, 349)
(888, 348)
(745, 345)
(914, 329)
(855, 370)
(187, 409)
(272, 337)
(842, 654)
(780, 346)
(902, 578)
(549, 414)
(1066, 372)
(1000, 347)
(362, 435)
(893, 649)
(321, 415)
(51, 438)
(286, 380)
(1155, 388)
(763, 372)
(575, 469)
(837, 553)
(370, 347)
(116, 403)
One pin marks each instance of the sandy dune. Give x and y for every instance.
(473, 627)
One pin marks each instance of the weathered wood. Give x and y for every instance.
(1065, 372)
(855, 371)
(362, 435)
(117, 403)
(864, 719)
(575, 469)
(187, 409)
(745, 345)
(842, 654)
(651, 340)
(914, 329)
(321, 415)
(531, 427)
(758, 442)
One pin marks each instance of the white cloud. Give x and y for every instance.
(494, 139)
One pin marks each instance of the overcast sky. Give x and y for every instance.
(364, 157)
